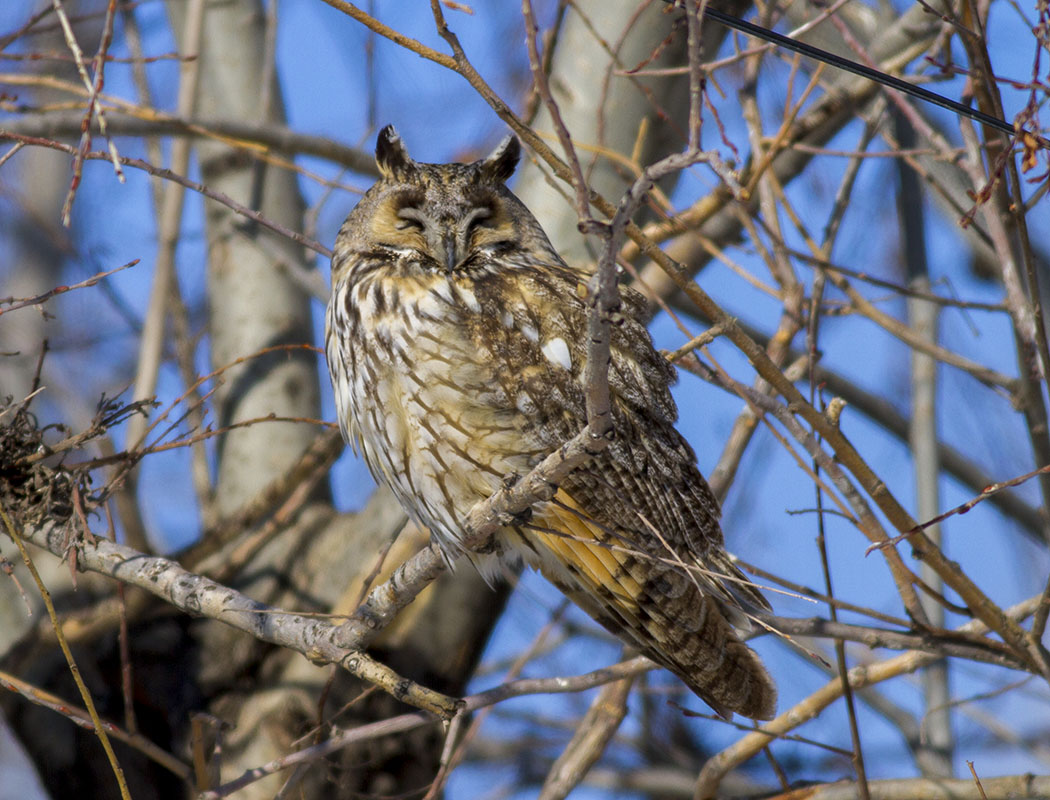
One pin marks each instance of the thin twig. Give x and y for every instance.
(168, 175)
(539, 78)
(81, 718)
(94, 87)
(989, 491)
(859, 677)
(16, 303)
(169, 223)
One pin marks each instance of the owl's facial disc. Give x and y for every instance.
(446, 240)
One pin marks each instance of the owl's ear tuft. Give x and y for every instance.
(392, 158)
(501, 162)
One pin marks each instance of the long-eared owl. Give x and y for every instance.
(456, 340)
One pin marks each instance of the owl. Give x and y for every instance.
(456, 341)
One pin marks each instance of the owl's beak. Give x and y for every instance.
(451, 251)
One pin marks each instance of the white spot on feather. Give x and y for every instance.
(557, 352)
(530, 332)
(525, 404)
(442, 290)
(468, 299)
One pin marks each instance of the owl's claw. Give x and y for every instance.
(508, 518)
(512, 520)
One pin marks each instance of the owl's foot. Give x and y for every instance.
(508, 518)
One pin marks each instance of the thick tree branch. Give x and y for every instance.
(315, 638)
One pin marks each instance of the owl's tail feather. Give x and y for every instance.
(653, 605)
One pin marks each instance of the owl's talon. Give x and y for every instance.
(510, 519)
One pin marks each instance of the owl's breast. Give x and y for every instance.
(422, 398)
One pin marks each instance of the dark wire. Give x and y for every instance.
(860, 69)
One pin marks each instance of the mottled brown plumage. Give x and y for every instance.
(456, 340)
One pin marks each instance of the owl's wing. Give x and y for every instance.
(652, 604)
(654, 491)
(633, 537)
(651, 486)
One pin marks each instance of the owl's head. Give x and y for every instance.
(444, 217)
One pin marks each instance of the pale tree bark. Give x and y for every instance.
(38, 251)
(603, 109)
(40, 245)
(619, 122)
(253, 303)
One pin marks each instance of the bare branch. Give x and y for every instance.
(315, 638)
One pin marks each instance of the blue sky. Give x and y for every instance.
(325, 86)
